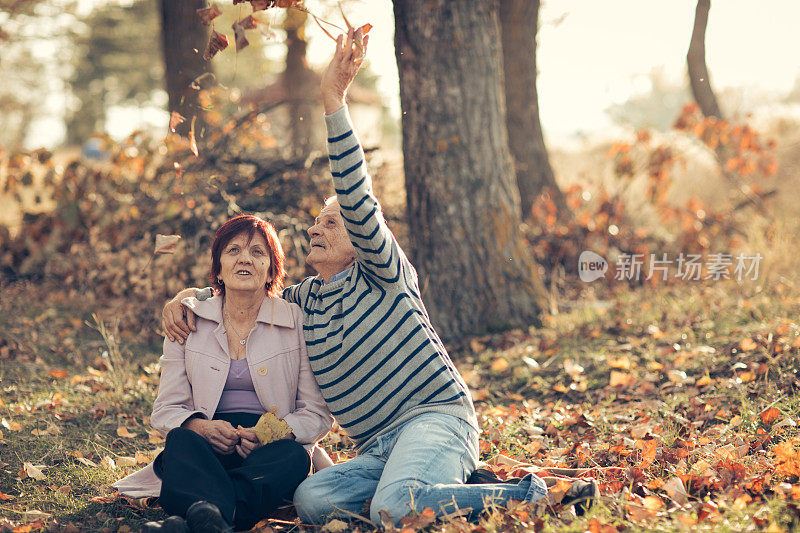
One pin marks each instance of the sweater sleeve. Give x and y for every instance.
(377, 249)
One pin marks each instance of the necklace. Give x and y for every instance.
(243, 338)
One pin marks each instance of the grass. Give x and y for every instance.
(702, 362)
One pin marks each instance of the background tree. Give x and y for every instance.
(519, 20)
(113, 64)
(696, 62)
(184, 40)
(463, 203)
(299, 82)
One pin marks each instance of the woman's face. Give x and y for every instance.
(245, 265)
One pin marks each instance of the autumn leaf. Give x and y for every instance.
(239, 27)
(33, 471)
(769, 416)
(58, 374)
(166, 244)
(192, 138)
(208, 14)
(122, 431)
(5, 497)
(676, 491)
(216, 43)
(748, 345)
(335, 526)
(621, 379)
(108, 463)
(11, 426)
(126, 461)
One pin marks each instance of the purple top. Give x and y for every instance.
(239, 394)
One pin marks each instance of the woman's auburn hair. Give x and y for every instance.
(249, 225)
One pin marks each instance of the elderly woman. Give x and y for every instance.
(246, 357)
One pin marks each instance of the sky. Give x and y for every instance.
(591, 54)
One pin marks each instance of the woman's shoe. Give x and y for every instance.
(204, 517)
(173, 524)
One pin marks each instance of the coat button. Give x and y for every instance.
(262, 371)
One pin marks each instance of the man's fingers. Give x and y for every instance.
(166, 331)
(191, 320)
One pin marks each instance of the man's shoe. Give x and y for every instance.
(582, 494)
(484, 475)
(173, 524)
(204, 517)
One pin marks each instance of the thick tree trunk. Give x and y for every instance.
(463, 203)
(519, 21)
(696, 62)
(184, 41)
(298, 81)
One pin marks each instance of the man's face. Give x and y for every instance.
(331, 249)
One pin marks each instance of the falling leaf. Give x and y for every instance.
(166, 244)
(208, 14)
(174, 119)
(34, 472)
(217, 43)
(247, 23)
(122, 431)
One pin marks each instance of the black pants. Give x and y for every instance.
(244, 490)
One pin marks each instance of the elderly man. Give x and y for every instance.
(380, 365)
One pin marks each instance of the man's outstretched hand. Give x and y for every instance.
(176, 320)
(342, 70)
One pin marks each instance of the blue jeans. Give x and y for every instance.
(422, 463)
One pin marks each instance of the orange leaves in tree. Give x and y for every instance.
(218, 41)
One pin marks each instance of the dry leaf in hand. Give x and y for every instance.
(208, 14)
(271, 428)
(166, 244)
(217, 42)
(175, 119)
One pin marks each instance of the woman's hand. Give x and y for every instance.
(219, 433)
(342, 70)
(248, 441)
(176, 320)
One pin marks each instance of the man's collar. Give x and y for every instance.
(340, 275)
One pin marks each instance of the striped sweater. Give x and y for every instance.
(373, 350)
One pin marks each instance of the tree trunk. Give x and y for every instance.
(696, 62)
(184, 41)
(298, 82)
(519, 21)
(463, 203)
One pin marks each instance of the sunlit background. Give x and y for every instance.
(593, 58)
